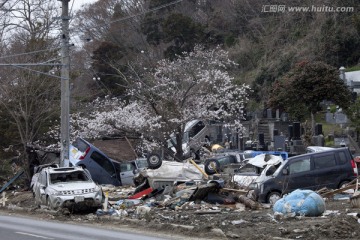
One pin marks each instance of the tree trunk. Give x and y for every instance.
(179, 142)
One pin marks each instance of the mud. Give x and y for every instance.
(340, 220)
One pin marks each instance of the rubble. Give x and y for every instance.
(212, 208)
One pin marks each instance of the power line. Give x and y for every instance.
(27, 53)
(139, 14)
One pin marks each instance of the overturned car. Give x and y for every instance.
(66, 187)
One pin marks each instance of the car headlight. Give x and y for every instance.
(53, 192)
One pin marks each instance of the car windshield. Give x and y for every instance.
(76, 176)
(142, 163)
(250, 168)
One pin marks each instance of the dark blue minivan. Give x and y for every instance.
(331, 168)
(103, 169)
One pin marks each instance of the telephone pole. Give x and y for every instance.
(65, 86)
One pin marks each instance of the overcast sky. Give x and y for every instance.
(78, 3)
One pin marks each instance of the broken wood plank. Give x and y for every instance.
(333, 192)
(248, 202)
(201, 212)
(234, 190)
(198, 168)
(3, 199)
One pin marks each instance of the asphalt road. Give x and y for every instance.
(20, 228)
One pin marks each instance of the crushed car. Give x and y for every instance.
(257, 169)
(103, 169)
(236, 159)
(66, 187)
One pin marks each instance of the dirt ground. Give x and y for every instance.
(234, 221)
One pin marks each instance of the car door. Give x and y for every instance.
(299, 175)
(39, 187)
(127, 173)
(325, 170)
(102, 169)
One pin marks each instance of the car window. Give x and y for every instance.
(125, 167)
(77, 176)
(80, 145)
(196, 129)
(302, 165)
(342, 157)
(324, 161)
(57, 178)
(224, 160)
(103, 161)
(42, 178)
(142, 163)
(249, 168)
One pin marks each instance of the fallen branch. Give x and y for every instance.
(248, 202)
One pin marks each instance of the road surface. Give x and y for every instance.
(20, 228)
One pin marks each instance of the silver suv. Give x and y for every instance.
(66, 187)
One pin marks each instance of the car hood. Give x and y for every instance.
(72, 186)
(245, 179)
(263, 160)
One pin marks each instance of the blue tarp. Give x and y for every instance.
(301, 202)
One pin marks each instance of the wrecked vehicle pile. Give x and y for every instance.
(181, 198)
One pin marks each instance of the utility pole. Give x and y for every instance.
(65, 86)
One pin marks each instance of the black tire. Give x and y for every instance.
(212, 166)
(272, 197)
(154, 161)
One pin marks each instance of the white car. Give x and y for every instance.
(66, 187)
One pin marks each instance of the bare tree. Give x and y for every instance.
(28, 82)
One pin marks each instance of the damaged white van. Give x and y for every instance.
(257, 168)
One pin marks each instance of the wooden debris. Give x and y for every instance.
(234, 190)
(333, 192)
(3, 199)
(207, 212)
(248, 202)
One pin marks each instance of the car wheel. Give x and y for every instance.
(154, 161)
(273, 197)
(212, 166)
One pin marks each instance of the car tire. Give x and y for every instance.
(212, 166)
(273, 197)
(154, 161)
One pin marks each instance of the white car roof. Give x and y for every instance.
(310, 149)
